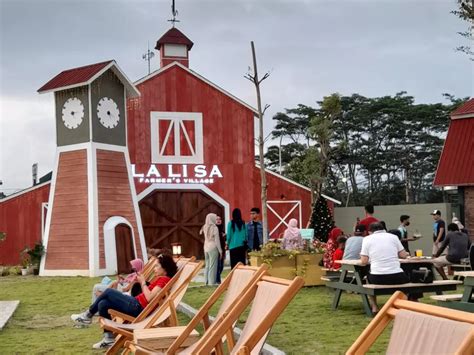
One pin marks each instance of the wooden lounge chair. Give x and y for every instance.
(270, 297)
(234, 285)
(419, 329)
(162, 308)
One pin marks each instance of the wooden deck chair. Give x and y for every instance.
(148, 268)
(234, 285)
(419, 329)
(162, 311)
(183, 261)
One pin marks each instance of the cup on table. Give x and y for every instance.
(418, 252)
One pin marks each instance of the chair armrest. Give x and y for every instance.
(120, 317)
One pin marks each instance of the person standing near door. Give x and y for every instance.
(255, 230)
(212, 248)
(237, 238)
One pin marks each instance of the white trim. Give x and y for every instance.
(131, 89)
(297, 203)
(44, 213)
(201, 187)
(109, 243)
(50, 272)
(165, 68)
(297, 184)
(93, 211)
(19, 193)
(138, 216)
(177, 126)
(465, 115)
(48, 216)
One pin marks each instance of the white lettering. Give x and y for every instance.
(185, 171)
(153, 171)
(170, 172)
(135, 174)
(215, 171)
(200, 171)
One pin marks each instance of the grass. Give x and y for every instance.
(41, 323)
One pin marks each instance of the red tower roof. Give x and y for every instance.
(81, 76)
(73, 77)
(174, 36)
(467, 109)
(456, 164)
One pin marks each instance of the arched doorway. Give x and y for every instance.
(176, 216)
(124, 248)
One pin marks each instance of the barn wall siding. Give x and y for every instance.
(20, 218)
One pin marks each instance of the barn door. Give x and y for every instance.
(176, 216)
(124, 248)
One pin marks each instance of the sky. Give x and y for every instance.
(312, 48)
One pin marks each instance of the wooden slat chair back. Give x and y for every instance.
(162, 310)
(235, 284)
(149, 267)
(183, 261)
(270, 296)
(419, 328)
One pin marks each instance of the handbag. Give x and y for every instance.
(423, 276)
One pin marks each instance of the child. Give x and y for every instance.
(339, 253)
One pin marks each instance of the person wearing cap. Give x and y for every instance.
(439, 230)
(354, 244)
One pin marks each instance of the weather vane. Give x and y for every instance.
(174, 13)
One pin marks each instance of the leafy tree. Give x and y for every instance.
(465, 12)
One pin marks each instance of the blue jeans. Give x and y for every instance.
(113, 299)
(220, 268)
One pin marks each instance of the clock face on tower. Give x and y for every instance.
(72, 113)
(108, 112)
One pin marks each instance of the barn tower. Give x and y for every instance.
(93, 224)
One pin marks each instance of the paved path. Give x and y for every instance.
(6, 311)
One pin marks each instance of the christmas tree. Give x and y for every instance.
(321, 219)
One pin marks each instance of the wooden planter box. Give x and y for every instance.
(305, 265)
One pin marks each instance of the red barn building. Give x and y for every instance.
(191, 146)
(456, 164)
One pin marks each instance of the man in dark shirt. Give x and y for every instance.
(255, 230)
(439, 230)
(458, 245)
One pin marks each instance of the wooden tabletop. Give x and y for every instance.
(411, 260)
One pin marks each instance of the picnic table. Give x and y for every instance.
(466, 303)
(359, 271)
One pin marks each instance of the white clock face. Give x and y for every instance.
(73, 113)
(108, 112)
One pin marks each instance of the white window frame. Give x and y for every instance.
(176, 126)
(282, 220)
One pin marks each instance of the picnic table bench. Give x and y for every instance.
(464, 301)
(360, 271)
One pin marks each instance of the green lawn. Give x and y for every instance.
(41, 324)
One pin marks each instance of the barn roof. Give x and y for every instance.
(465, 110)
(174, 36)
(456, 164)
(85, 75)
(200, 77)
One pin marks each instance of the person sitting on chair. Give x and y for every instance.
(111, 298)
(458, 245)
(383, 250)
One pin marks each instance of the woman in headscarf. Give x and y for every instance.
(212, 248)
(331, 247)
(123, 284)
(292, 237)
(237, 238)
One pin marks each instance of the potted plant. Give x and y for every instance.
(35, 255)
(25, 261)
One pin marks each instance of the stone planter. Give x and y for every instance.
(304, 265)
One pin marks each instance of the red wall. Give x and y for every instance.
(228, 130)
(20, 218)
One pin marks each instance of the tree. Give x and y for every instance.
(321, 219)
(253, 77)
(465, 12)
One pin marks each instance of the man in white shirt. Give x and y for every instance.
(382, 250)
